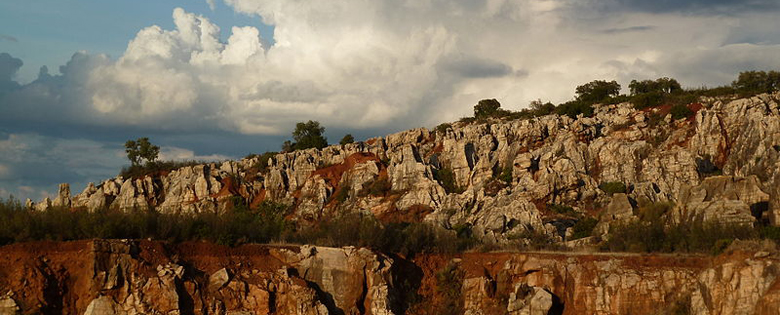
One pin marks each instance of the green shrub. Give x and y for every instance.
(239, 225)
(446, 179)
(407, 239)
(262, 164)
(646, 100)
(680, 111)
(449, 286)
(442, 128)
(535, 240)
(584, 228)
(575, 108)
(537, 108)
(613, 187)
(503, 174)
(348, 138)
(656, 236)
(771, 233)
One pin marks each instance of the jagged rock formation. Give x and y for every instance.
(145, 277)
(132, 277)
(552, 159)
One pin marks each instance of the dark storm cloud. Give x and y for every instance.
(8, 68)
(726, 7)
(621, 30)
(472, 67)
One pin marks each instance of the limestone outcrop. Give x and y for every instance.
(722, 163)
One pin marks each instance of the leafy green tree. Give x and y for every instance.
(752, 82)
(660, 85)
(348, 138)
(306, 135)
(540, 109)
(141, 149)
(487, 108)
(288, 146)
(597, 91)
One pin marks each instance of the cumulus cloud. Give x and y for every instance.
(357, 64)
(354, 66)
(212, 4)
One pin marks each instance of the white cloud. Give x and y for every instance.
(369, 64)
(212, 4)
(180, 154)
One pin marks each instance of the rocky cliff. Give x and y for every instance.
(145, 277)
(722, 163)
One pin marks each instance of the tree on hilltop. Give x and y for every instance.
(487, 108)
(306, 135)
(597, 91)
(141, 149)
(348, 138)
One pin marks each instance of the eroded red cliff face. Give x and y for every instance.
(145, 277)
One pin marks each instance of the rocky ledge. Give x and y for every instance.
(145, 277)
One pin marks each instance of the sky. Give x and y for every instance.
(219, 79)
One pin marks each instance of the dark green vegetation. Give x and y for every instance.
(653, 233)
(238, 225)
(306, 135)
(262, 164)
(613, 187)
(755, 82)
(446, 179)
(407, 239)
(643, 94)
(449, 283)
(348, 138)
(141, 149)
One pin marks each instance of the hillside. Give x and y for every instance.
(433, 222)
(501, 178)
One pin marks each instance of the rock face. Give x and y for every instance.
(547, 160)
(737, 200)
(503, 283)
(144, 277)
(129, 277)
